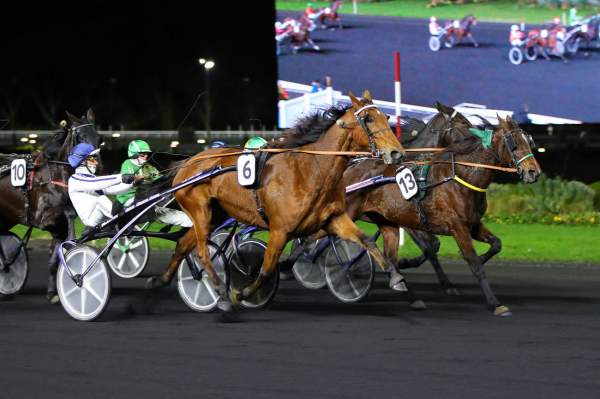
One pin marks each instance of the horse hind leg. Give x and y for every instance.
(277, 241)
(184, 246)
(463, 239)
(345, 228)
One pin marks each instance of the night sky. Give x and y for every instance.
(138, 67)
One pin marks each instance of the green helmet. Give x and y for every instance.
(255, 143)
(137, 146)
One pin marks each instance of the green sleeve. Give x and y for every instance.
(128, 167)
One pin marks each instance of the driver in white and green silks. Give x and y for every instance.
(137, 164)
(138, 152)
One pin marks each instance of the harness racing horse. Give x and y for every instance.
(44, 201)
(458, 30)
(300, 193)
(456, 199)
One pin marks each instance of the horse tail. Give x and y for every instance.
(164, 182)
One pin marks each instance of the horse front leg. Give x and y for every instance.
(481, 233)
(51, 291)
(184, 246)
(463, 239)
(71, 215)
(473, 40)
(277, 241)
(344, 227)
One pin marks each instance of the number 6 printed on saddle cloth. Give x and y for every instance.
(246, 168)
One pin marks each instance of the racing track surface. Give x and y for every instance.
(361, 56)
(307, 345)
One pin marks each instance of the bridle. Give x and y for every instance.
(511, 146)
(362, 121)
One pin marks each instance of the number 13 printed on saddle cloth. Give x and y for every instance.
(246, 169)
(407, 183)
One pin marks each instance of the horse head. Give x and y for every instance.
(373, 130)
(83, 130)
(513, 147)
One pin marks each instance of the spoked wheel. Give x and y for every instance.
(449, 41)
(350, 276)
(559, 49)
(515, 55)
(434, 43)
(14, 275)
(244, 267)
(129, 256)
(573, 45)
(307, 273)
(88, 301)
(531, 53)
(194, 286)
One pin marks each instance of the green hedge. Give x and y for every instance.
(549, 201)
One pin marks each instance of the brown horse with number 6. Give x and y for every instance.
(300, 193)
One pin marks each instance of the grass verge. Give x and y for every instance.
(494, 11)
(520, 242)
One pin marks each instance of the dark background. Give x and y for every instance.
(137, 64)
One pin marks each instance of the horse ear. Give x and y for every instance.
(354, 100)
(72, 117)
(367, 95)
(91, 117)
(501, 122)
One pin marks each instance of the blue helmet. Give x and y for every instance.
(217, 144)
(80, 152)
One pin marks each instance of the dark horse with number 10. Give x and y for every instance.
(44, 201)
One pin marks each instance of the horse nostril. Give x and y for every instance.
(396, 156)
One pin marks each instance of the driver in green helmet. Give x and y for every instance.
(255, 143)
(137, 164)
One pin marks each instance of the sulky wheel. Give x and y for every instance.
(12, 275)
(434, 43)
(515, 55)
(349, 274)
(573, 45)
(88, 300)
(129, 256)
(308, 268)
(244, 267)
(531, 53)
(194, 286)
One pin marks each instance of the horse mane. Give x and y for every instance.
(54, 147)
(146, 189)
(309, 128)
(465, 146)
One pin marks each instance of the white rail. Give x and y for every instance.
(291, 110)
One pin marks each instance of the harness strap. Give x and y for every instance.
(524, 158)
(472, 187)
(260, 208)
(59, 183)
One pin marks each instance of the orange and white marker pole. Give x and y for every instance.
(397, 92)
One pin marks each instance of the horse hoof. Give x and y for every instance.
(52, 298)
(155, 282)
(234, 297)
(286, 276)
(502, 311)
(418, 305)
(452, 291)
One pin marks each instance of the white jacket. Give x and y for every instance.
(87, 194)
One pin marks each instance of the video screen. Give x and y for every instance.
(538, 64)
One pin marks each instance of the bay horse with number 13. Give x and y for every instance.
(300, 193)
(455, 205)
